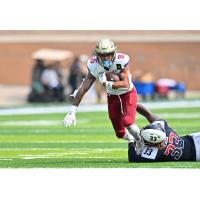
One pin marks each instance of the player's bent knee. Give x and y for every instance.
(120, 134)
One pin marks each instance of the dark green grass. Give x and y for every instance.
(28, 141)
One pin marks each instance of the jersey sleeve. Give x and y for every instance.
(126, 60)
(162, 123)
(122, 61)
(165, 124)
(131, 152)
(91, 65)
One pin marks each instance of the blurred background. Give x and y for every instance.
(47, 66)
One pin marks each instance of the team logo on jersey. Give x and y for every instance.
(119, 66)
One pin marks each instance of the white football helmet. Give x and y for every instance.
(152, 135)
(105, 47)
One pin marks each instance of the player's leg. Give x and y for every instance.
(120, 131)
(129, 105)
(116, 116)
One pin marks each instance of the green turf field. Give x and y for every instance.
(28, 141)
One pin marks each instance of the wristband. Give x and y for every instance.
(109, 85)
(73, 109)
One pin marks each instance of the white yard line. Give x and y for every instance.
(38, 122)
(178, 115)
(6, 159)
(75, 150)
(74, 157)
(94, 108)
(84, 121)
(65, 142)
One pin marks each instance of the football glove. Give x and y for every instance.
(70, 118)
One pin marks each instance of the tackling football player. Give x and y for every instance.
(122, 96)
(161, 143)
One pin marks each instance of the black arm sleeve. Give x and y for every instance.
(131, 152)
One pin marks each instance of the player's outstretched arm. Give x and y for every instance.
(70, 118)
(146, 113)
(85, 86)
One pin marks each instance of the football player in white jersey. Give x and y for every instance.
(122, 95)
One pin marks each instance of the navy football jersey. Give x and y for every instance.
(174, 148)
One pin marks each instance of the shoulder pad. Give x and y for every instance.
(94, 67)
(122, 59)
(160, 123)
(92, 60)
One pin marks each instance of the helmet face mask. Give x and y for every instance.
(106, 60)
(105, 51)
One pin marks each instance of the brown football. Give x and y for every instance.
(110, 76)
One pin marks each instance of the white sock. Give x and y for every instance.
(134, 131)
(128, 136)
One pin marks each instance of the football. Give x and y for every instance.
(110, 76)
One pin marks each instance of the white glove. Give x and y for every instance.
(102, 78)
(74, 93)
(70, 117)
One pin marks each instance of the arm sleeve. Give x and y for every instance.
(131, 152)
